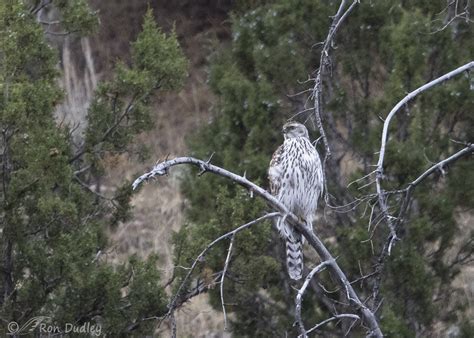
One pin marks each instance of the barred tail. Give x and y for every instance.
(294, 256)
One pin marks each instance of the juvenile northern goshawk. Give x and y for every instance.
(296, 179)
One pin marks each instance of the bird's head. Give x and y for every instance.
(294, 129)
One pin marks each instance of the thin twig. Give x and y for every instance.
(173, 304)
(299, 296)
(226, 266)
(344, 315)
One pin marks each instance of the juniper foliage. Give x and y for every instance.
(53, 230)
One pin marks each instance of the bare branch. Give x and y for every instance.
(439, 166)
(174, 302)
(324, 63)
(453, 13)
(379, 171)
(49, 23)
(299, 296)
(366, 314)
(200, 288)
(343, 315)
(408, 98)
(466, 151)
(226, 266)
(173, 325)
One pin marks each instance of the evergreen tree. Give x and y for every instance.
(52, 225)
(384, 50)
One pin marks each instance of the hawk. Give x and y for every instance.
(296, 180)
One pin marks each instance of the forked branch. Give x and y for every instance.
(394, 222)
(367, 316)
(174, 304)
(383, 144)
(299, 297)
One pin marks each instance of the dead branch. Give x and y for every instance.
(342, 315)
(200, 288)
(226, 266)
(324, 64)
(440, 165)
(366, 314)
(454, 12)
(299, 296)
(408, 191)
(466, 151)
(406, 195)
(379, 170)
(173, 305)
(394, 222)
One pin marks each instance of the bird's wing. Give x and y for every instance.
(275, 170)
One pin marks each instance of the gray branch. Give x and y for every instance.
(175, 300)
(379, 170)
(440, 165)
(226, 266)
(366, 314)
(466, 151)
(324, 62)
(340, 316)
(394, 222)
(300, 294)
(407, 192)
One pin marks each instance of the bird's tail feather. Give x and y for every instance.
(294, 256)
